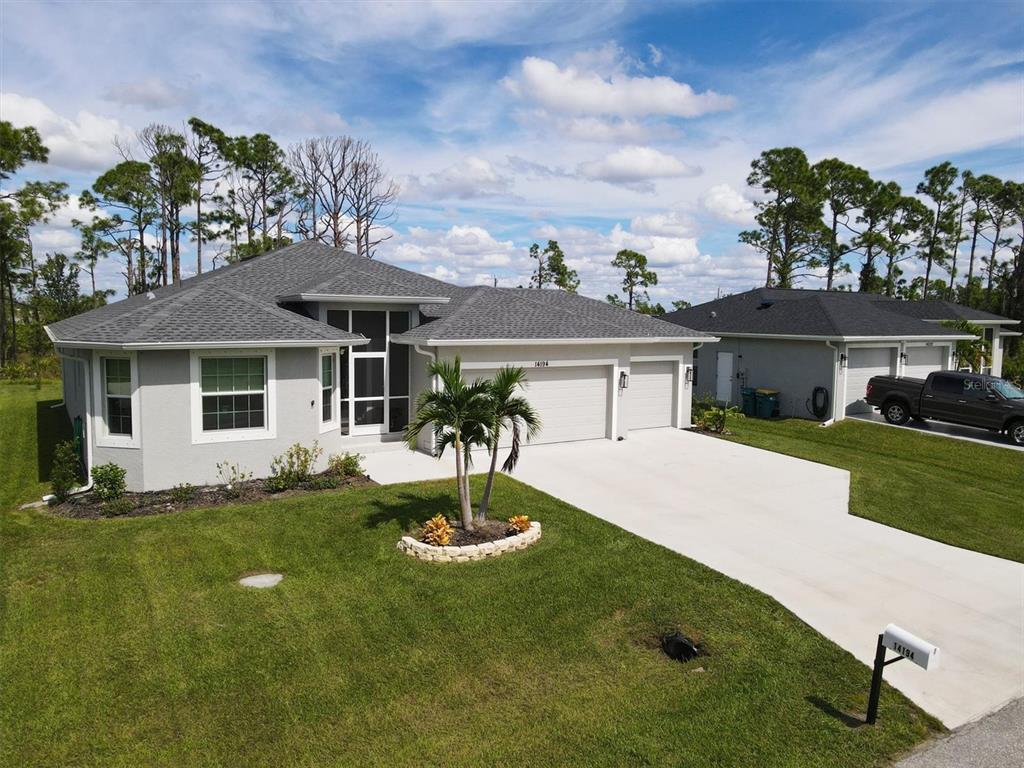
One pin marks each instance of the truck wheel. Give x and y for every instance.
(1016, 432)
(895, 412)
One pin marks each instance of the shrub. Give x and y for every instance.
(324, 482)
(231, 476)
(64, 473)
(709, 416)
(183, 493)
(349, 465)
(292, 467)
(437, 531)
(518, 524)
(108, 481)
(117, 507)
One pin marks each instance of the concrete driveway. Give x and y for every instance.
(954, 431)
(781, 525)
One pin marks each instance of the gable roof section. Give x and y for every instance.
(239, 305)
(234, 305)
(834, 315)
(491, 315)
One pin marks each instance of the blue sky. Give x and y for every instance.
(602, 125)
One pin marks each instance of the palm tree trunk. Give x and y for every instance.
(467, 513)
(485, 500)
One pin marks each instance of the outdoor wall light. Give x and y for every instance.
(623, 380)
(842, 360)
(689, 374)
(903, 358)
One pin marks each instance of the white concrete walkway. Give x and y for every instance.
(781, 525)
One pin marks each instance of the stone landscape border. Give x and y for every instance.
(424, 551)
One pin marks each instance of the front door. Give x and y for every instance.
(723, 388)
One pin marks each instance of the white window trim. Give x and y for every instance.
(335, 420)
(357, 353)
(267, 432)
(99, 422)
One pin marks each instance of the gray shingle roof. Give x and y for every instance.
(526, 313)
(241, 303)
(832, 314)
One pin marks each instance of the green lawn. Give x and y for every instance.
(27, 422)
(961, 493)
(127, 642)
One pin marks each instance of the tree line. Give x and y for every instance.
(550, 270)
(229, 197)
(814, 219)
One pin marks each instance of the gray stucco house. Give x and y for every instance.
(796, 340)
(312, 343)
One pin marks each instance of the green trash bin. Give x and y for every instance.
(749, 401)
(767, 403)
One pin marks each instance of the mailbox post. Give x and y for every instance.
(908, 646)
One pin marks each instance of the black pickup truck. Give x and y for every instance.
(960, 398)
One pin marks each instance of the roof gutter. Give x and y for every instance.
(226, 344)
(87, 420)
(558, 342)
(365, 298)
(835, 385)
(801, 337)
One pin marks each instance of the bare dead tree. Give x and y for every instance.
(372, 195)
(322, 167)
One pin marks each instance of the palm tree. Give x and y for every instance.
(456, 410)
(508, 409)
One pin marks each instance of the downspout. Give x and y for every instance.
(87, 421)
(693, 354)
(432, 355)
(835, 374)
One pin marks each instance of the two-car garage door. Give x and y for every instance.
(650, 394)
(865, 362)
(572, 401)
(862, 364)
(923, 360)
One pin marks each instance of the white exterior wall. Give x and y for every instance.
(794, 368)
(163, 420)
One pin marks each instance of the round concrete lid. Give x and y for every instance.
(262, 580)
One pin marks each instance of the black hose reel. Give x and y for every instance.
(818, 404)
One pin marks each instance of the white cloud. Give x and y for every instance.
(470, 178)
(975, 117)
(151, 93)
(636, 168)
(84, 143)
(575, 91)
(725, 203)
(458, 246)
(671, 224)
(601, 130)
(656, 54)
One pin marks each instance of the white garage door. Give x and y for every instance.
(861, 365)
(923, 360)
(650, 394)
(572, 401)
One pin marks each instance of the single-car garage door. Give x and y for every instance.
(649, 395)
(863, 363)
(572, 400)
(923, 360)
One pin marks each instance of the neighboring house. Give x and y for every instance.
(796, 341)
(312, 343)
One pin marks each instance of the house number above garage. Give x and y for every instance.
(540, 364)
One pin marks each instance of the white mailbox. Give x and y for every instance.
(910, 647)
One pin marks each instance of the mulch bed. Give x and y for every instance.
(88, 507)
(489, 530)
